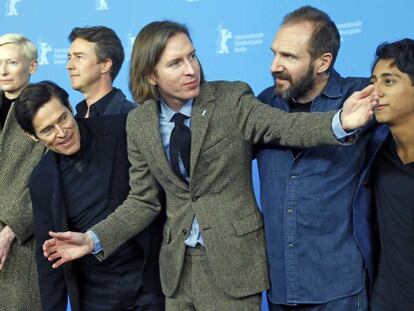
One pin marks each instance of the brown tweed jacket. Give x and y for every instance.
(18, 156)
(226, 121)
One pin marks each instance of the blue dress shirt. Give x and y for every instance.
(166, 127)
(308, 209)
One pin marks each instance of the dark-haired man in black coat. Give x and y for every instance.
(79, 182)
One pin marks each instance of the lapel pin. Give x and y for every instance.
(204, 112)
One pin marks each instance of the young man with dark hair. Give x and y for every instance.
(80, 181)
(391, 176)
(94, 60)
(195, 139)
(318, 239)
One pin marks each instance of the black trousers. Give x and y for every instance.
(116, 283)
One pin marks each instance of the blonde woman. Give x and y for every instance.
(18, 156)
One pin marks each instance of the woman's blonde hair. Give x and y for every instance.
(28, 49)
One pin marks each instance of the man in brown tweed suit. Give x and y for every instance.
(18, 156)
(213, 254)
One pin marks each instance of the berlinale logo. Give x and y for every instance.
(224, 35)
(101, 5)
(44, 48)
(131, 40)
(11, 7)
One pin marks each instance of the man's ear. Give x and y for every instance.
(106, 65)
(31, 136)
(323, 63)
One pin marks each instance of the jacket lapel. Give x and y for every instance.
(115, 105)
(154, 144)
(9, 129)
(374, 144)
(376, 141)
(201, 113)
(58, 203)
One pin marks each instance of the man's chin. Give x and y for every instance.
(76, 87)
(69, 152)
(285, 94)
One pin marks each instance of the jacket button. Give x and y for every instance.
(185, 231)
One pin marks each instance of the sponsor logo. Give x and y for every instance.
(349, 29)
(60, 56)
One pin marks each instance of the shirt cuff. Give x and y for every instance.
(97, 247)
(340, 134)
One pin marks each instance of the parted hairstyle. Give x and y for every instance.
(148, 47)
(325, 37)
(32, 98)
(108, 45)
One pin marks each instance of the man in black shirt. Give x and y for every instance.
(79, 182)
(392, 176)
(94, 60)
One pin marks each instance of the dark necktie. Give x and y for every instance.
(180, 145)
